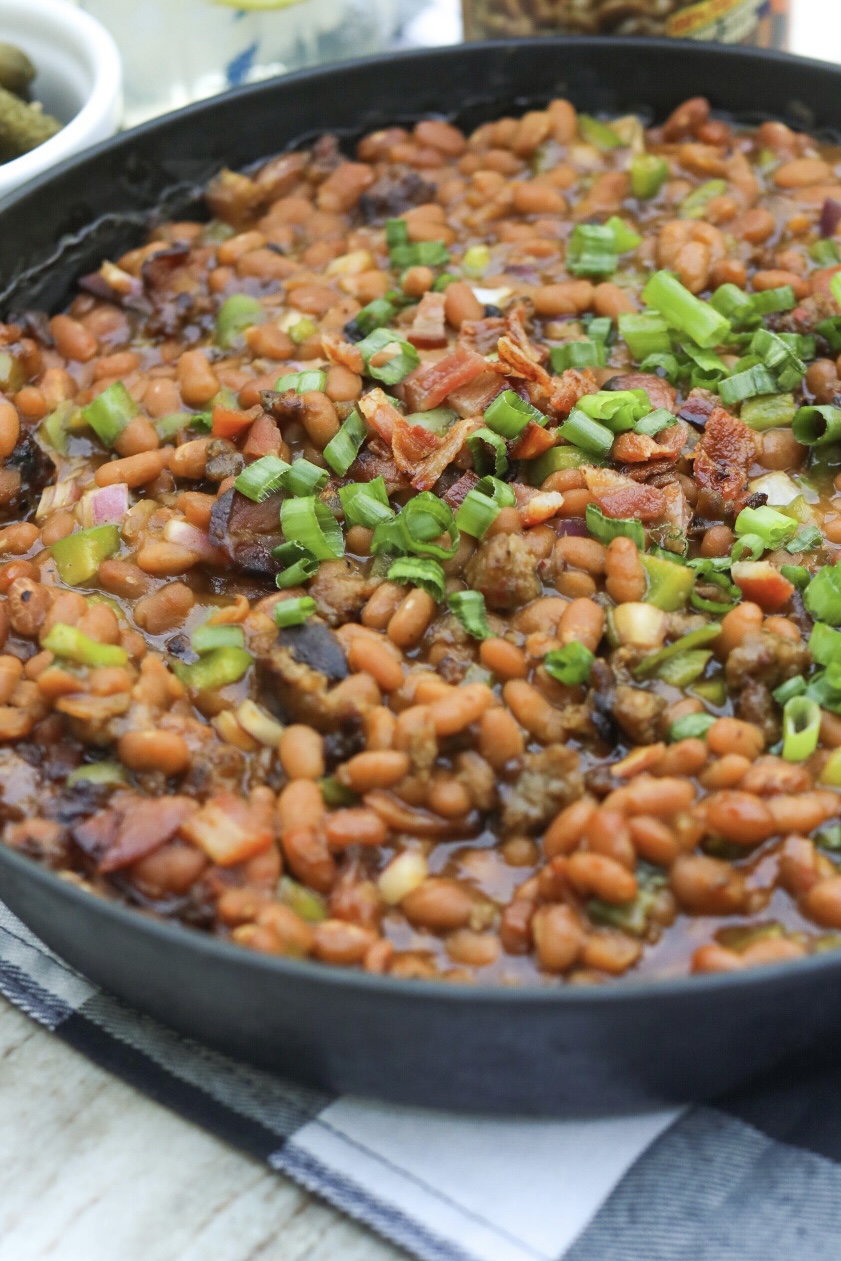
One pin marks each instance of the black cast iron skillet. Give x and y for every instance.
(545, 1050)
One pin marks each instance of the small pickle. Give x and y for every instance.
(23, 127)
(16, 70)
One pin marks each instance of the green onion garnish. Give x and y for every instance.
(618, 409)
(791, 687)
(207, 637)
(420, 572)
(771, 526)
(695, 203)
(645, 334)
(733, 303)
(342, 450)
(591, 250)
(304, 328)
(301, 382)
(234, 316)
(798, 575)
(805, 540)
(469, 608)
(600, 328)
(293, 612)
(110, 412)
(605, 529)
(479, 443)
(770, 300)
(477, 513)
(262, 478)
(801, 728)
(694, 639)
(691, 727)
(414, 531)
(768, 411)
(366, 503)
(830, 330)
(553, 460)
(655, 422)
(396, 232)
(309, 522)
(817, 426)
(587, 434)
(419, 254)
(586, 353)
(71, 644)
(662, 365)
(743, 385)
(299, 565)
(822, 597)
(778, 357)
(400, 362)
(570, 665)
(598, 133)
(683, 311)
(305, 478)
(375, 315)
(509, 414)
(825, 253)
(825, 644)
(648, 175)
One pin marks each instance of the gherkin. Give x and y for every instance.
(22, 127)
(16, 70)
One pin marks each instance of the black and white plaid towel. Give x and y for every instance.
(757, 1179)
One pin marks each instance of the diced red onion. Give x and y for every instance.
(571, 527)
(61, 495)
(191, 537)
(830, 217)
(107, 505)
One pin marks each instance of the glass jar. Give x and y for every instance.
(763, 23)
(177, 51)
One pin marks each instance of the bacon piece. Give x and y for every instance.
(568, 388)
(428, 385)
(229, 830)
(476, 397)
(660, 393)
(482, 335)
(634, 448)
(677, 515)
(372, 462)
(381, 415)
(339, 351)
(533, 441)
(425, 473)
(411, 444)
(459, 490)
(698, 406)
(724, 455)
(621, 497)
(417, 452)
(762, 584)
(139, 826)
(428, 332)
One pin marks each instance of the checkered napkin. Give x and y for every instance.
(755, 1179)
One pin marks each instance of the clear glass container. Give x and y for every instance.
(760, 22)
(177, 51)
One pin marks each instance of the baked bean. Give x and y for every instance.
(139, 435)
(72, 339)
(163, 751)
(474, 950)
(731, 735)
(569, 297)
(781, 450)
(595, 875)
(134, 470)
(381, 660)
(707, 886)
(465, 706)
(354, 825)
(801, 172)
(822, 903)
(500, 738)
(301, 752)
(9, 429)
(460, 304)
(196, 379)
(744, 620)
(533, 711)
(585, 554)
(582, 622)
(503, 659)
(409, 622)
(19, 539)
(626, 580)
(612, 301)
(608, 833)
(558, 937)
(725, 772)
(164, 609)
(374, 769)
(739, 817)
(439, 904)
(776, 278)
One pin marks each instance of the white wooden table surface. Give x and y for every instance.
(90, 1170)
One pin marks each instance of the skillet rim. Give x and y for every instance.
(617, 992)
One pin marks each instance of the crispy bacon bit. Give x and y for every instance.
(724, 455)
(426, 472)
(476, 397)
(533, 441)
(417, 452)
(380, 414)
(459, 490)
(621, 497)
(263, 438)
(428, 385)
(634, 448)
(411, 444)
(660, 393)
(764, 585)
(482, 335)
(698, 406)
(344, 353)
(229, 830)
(131, 828)
(676, 516)
(428, 332)
(568, 388)
(541, 507)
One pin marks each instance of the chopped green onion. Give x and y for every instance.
(309, 522)
(772, 527)
(293, 612)
(478, 443)
(234, 316)
(476, 260)
(420, 572)
(669, 582)
(748, 547)
(401, 361)
(694, 639)
(441, 282)
(500, 492)
(509, 414)
(262, 478)
(691, 727)
(625, 239)
(768, 411)
(207, 637)
(825, 644)
(822, 597)
(304, 478)
(662, 365)
(591, 250)
(830, 330)
(770, 300)
(70, 643)
(419, 254)
(804, 345)
(581, 354)
(214, 670)
(375, 315)
(695, 203)
(587, 434)
(733, 303)
(343, 449)
(600, 328)
(299, 565)
(570, 665)
(779, 358)
(648, 175)
(78, 556)
(619, 409)
(605, 529)
(414, 531)
(469, 608)
(477, 514)
(805, 540)
(655, 422)
(553, 460)
(53, 428)
(645, 334)
(110, 412)
(301, 382)
(302, 329)
(598, 134)
(791, 687)
(798, 575)
(801, 728)
(817, 426)
(825, 253)
(744, 385)
(97, 773)
(167, 427)
(683, 311)
(366, 503)
(396, 232)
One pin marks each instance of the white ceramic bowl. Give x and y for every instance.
(79, 79)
